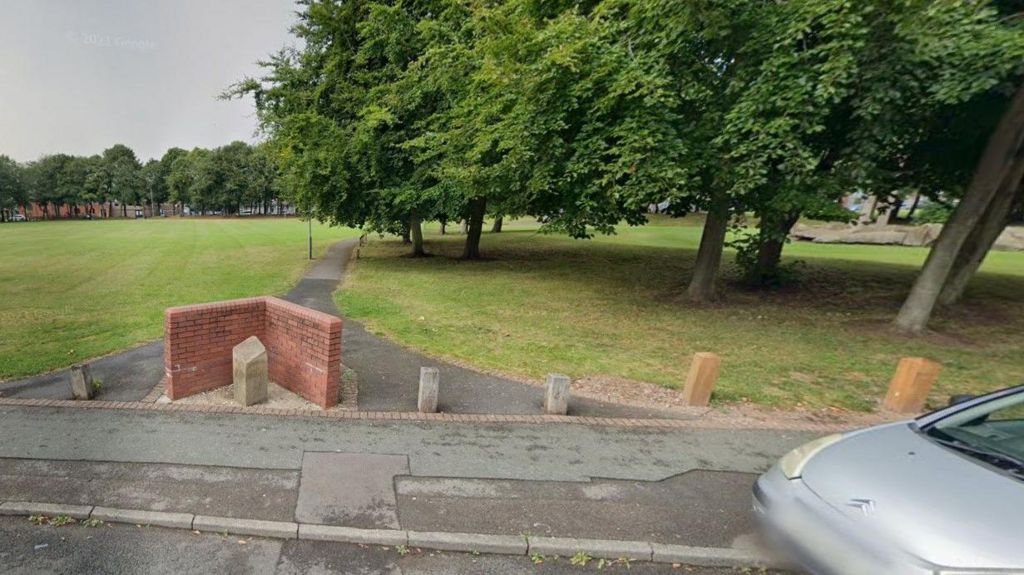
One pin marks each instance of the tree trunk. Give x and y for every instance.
(496, 228)
(709, 256)
(913, 206)
(475, 225)
(465, 227)
(1005, 147)
(892, 211)
(444, 224)
(774, 231)
(406, 237)
(981, 239)
(867, 209)
(417, 235)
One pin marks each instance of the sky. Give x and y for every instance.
(77, 76)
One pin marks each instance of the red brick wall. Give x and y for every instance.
(303, 346)
(304, 350)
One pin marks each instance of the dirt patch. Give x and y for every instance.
(640, 394)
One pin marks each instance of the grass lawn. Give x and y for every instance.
(615, 307)
(74, 290)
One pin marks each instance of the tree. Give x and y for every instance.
(996, 178)
(841, 98)
(12, 187)
(96, 187)
(123, 168)
(396, 113)
(47, 182)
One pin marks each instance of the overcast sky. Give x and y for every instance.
(79, 75)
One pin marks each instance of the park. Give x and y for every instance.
(610, 310)
(516, 287)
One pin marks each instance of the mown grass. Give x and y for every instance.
(615, 306)
(70, 291)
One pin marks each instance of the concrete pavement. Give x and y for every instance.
(118, 549)
(673, 486)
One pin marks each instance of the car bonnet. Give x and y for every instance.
(892, 482)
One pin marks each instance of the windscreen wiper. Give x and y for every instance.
(1017, 465)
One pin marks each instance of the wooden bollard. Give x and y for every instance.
(910, 385)
(701, 379)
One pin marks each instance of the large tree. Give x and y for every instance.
(844, 95)
(123, 169)
(993, 191)
(13, 192)
(395, 113)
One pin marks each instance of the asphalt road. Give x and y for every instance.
(118, 549)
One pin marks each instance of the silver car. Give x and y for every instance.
(942, 494)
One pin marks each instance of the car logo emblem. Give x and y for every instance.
(867, 506)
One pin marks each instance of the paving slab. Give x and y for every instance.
(662, 511)
(350, 489)
(208, 490)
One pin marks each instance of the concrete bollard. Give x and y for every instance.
(430, 382)
(249, 362)
(910, 385)
(81, 382)
(556, 394)
(700, 381)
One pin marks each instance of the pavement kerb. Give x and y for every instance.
(420, 418)
(48, 509)
(437, 540)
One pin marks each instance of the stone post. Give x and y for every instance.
(556, 394)
(700, 381)
(81, 382)
(430, 380)
(910, 385)
(250, 371)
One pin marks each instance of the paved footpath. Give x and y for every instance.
(673, 486)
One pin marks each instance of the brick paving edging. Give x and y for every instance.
(412, 416)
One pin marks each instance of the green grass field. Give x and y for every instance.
(615, 307)
(74, 290)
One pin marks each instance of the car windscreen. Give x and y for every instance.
(992, 431)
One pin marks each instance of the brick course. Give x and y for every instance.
(303, 346)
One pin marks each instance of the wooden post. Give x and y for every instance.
(701, 379)
(910, 385)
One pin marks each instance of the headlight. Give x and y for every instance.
(792, 464)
